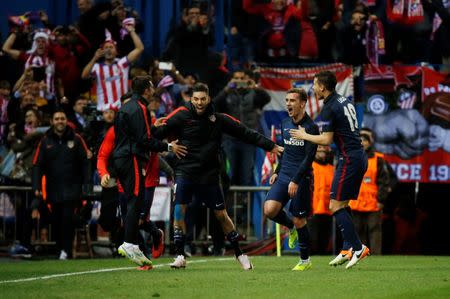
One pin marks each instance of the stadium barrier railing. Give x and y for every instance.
(244, 206)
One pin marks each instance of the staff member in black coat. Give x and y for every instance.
(132, 146)
(62, 156)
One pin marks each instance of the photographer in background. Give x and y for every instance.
(187, 44)
(98, 125)
(78, 119)
(244, 100)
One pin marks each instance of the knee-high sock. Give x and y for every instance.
(134, 207)
(233, 238)
(283, 219)
(345, 224)
(178, 239)
(345, 243)
(150, 227)
(303, 242)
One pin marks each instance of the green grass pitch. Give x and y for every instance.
(375, 277)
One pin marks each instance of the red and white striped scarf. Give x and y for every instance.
(406, 12)
(369, 3)
(375, 41)
(437, 20)
(166, 99)
(3, 116)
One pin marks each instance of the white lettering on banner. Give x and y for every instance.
(443, 88)
(407, 172)
(439, 173)
(429, 90)
(440, 88)
(160, 209)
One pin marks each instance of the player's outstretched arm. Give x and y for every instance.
(326, 138)
(310, 153)
(233, 127)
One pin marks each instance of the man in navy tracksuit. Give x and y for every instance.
(200, 129)
(293, 178)
(341, 127)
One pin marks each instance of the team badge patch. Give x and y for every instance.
(70, 144)
(377, 104)
(212, 118)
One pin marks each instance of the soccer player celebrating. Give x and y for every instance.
(200, 129)
(293, 178)
(341, 126)
(130, 157)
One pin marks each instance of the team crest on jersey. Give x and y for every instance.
(342, 99)
(70, 144)
(212, 118)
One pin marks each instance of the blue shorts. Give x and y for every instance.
(210, 195)
(301, 203)
(348, 177)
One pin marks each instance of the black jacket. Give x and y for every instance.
(202, 135)
(63, 160)
(245, 106)
(132, 128)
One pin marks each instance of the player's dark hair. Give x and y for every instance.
(141, 83)
(200, 87)
(301, 93)
(327, 79)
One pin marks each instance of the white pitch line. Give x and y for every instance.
(102, 271)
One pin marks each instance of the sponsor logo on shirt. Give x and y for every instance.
(295, 142)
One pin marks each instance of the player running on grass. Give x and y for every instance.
(341, 126)
(200, 129)
(145, 223)
(293, 178)
(129, 160)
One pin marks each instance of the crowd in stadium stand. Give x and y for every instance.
(84, 69)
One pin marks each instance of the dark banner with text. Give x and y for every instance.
(408, 108)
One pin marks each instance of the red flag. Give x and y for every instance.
(270, 161)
